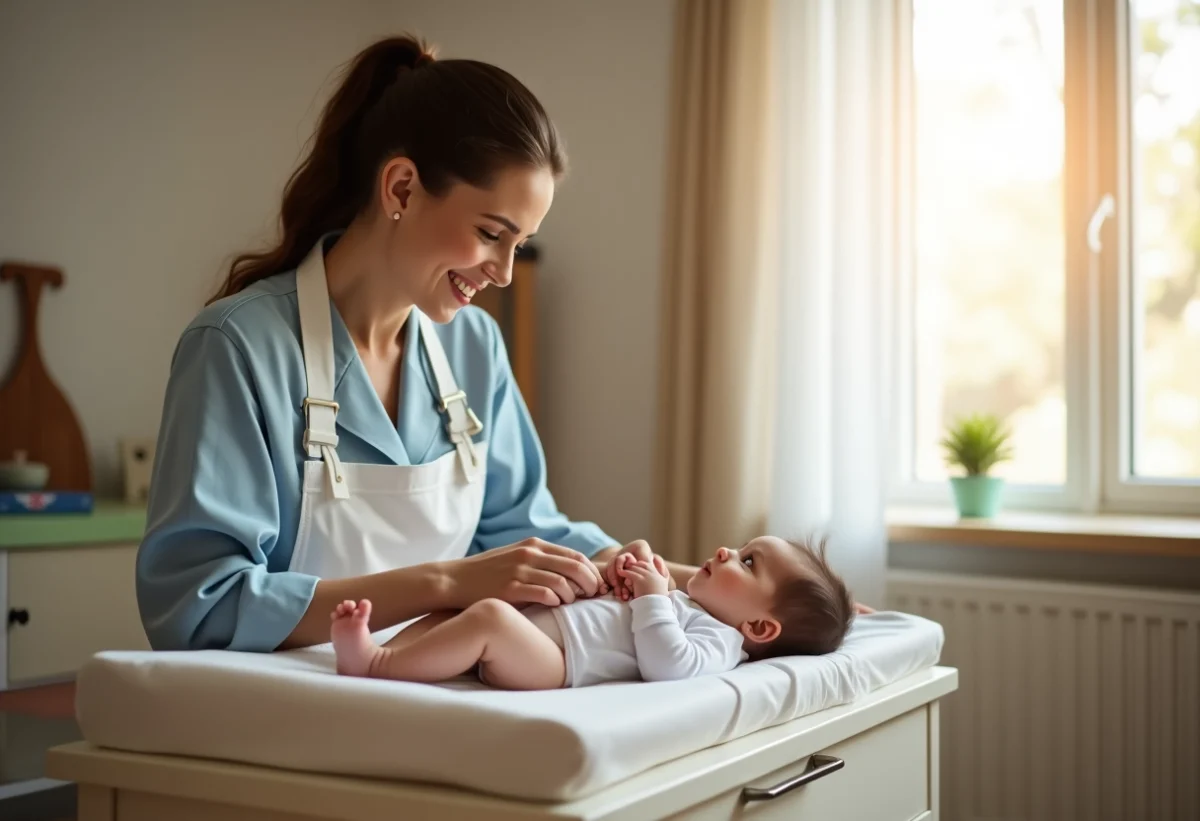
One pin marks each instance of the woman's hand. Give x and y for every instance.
(528, 572)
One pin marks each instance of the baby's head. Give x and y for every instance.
(783, 596)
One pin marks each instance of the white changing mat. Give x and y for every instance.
(291, 710)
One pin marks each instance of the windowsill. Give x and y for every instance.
(1099, 533)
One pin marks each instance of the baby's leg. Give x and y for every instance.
(420, 627)
(512, 653)
(352, 639)
(520, 656)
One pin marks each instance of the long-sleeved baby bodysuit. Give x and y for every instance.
(651, 638)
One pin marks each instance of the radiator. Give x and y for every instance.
(1075, 703)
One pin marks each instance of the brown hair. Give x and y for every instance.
(814, 609)
(457, 120)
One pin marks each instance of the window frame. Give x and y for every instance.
(1121, 489)
(1098, 328)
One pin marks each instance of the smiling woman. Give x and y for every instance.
(372, 119)
(340, 422)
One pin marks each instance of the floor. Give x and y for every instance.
(50, 701)
(32, 721)
(52, 805)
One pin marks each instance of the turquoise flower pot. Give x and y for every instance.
(977, 497)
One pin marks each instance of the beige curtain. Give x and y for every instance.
(716, 401)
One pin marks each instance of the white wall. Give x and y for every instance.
(143, 143)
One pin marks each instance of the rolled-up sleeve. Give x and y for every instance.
(517, 503)
(213, 514)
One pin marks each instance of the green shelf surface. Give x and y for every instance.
(109, 521)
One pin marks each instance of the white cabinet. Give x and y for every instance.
(879, 775)
(64, 604)
(66, 592)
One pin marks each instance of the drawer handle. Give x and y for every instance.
(16, 616)
(819, 766)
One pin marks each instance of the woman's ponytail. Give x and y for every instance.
(320, 195)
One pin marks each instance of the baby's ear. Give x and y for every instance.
(762, 630)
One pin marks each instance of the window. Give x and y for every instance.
(1165, 269)
(1052, 246)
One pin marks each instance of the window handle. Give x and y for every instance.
(1103, 211)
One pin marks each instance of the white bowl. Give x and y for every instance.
(23, 475)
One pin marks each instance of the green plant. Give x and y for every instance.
(976, 443)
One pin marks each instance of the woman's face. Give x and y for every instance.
(444, 250)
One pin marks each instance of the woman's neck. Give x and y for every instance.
(373, 318)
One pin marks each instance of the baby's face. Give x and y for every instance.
(738, 586)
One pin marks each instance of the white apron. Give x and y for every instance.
(357, 519)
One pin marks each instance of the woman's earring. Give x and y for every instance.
(396, 215)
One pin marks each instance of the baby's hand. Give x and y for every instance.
(619, 582)
(649, 578)
(614, 572)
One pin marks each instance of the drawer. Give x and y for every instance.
(78, 601)
(885, 777)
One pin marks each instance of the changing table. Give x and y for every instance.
(850, 735)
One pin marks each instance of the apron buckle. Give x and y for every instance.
(324, 403)
(474, 425)
(457, 396)
(320, 429)
(461, 426)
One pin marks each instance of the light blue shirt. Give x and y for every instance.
(212, 569)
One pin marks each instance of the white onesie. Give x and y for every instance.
(651, 638)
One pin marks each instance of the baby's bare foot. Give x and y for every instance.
(352, 638)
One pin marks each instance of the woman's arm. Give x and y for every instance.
(202, 574)
(529, 572)
(396, 596)
(681, 574)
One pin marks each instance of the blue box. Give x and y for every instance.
(45, 501)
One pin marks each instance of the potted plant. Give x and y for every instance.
(976, 444)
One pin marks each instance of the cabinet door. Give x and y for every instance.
(72, 602)
(884, 777)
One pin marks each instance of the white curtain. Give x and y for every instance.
(839, 136)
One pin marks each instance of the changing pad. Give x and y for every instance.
(291, 710)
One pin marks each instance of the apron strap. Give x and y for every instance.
(316, 338)
(463, 423)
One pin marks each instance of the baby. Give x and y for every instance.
(769, 598)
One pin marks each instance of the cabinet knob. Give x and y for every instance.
(16, 616)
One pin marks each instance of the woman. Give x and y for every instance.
(339, 423)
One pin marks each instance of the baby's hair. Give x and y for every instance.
(814, 609)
